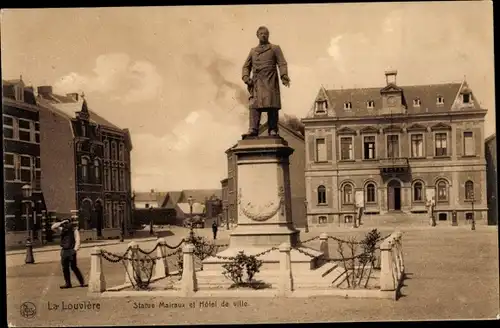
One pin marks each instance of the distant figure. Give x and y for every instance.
(70, 244)
(214, 229)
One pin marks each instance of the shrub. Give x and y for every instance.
(239, 265)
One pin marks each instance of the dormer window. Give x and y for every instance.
(348, 105)
(416, 102)
(466, 98)
(440, 100)
(19, 92)
(370, 104)
(321, 106)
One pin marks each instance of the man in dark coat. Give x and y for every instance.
(263, 85)
(215, 228)
(70, 244)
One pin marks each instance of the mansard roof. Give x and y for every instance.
(427, 94)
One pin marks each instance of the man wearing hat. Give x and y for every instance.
(70, 244)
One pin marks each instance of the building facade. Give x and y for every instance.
(492, 182)
(297, 177)
(22, 163)
(87, 165)
(392, 149)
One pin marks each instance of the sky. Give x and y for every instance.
(172, 75)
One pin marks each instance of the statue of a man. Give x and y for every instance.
(263, 85)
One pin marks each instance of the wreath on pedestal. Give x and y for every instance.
(264, 212)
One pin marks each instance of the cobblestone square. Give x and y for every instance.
(452, 274)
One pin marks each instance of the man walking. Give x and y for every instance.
(70, 244)
(214, 229)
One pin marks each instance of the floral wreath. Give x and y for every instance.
(249, 210)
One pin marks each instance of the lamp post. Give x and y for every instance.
(473, 223)
(122, 225)
(151, 220)
(191, 232)
(27, 193)
(307, 224)
(226, 211)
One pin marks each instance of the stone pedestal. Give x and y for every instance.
(264, 205)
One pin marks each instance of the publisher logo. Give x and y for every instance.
(28, 310)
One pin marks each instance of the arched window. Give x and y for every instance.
(418, 192)
(113, 150)
(370, 193)
(442, 191)
(106, 178)
(347, 196)
(106, 149)
(85, 169)
(97, 171)
(469, 190)
(321, 195)
(121, 152)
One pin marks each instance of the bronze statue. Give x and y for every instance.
(263, 85)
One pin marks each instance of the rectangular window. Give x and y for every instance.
(441, 144)
(24, 124)
(8, 133)
(321, 150)
(417, 145)
(17, 167)
(24, 135)
(392, 146)
(25, 161)
(8, 159)
(468, 144)
(466, 98)
(369, 147)
(7, 121)
(346, 151)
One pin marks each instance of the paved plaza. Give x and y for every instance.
(452, 274)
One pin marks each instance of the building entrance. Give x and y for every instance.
(394, 195)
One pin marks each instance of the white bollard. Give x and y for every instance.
(132, 254)
(323, 245)
(189, 284)
(97, 283)
(161, 269)
(286, 278)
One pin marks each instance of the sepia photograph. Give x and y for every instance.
(232, 164)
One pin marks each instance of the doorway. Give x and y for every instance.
(98, 218)
(394, 195)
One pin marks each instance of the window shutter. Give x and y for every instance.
(478, 140)
(329, 145)
(460, 142)
(312, 149)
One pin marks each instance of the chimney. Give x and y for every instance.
(45, 90)
(73, 96)
(390, 76)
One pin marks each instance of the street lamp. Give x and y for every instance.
(191, 232)
(27, 192)
(226, 211)
(151, 220)
(307, 224)
(473, 223)
(122, 225)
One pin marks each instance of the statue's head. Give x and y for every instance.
(263, 34)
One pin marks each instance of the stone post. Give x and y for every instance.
(386, 266)
(97, 283)
(400, 248)
(161, 268)
(132, 254)
(286, 278)
(323, 245)
(189, 284)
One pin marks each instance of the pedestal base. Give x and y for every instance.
(263, 235)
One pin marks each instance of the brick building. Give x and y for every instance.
(492, 179)
(87, 165)
(21, 140)
(297, 164)
(392, 148)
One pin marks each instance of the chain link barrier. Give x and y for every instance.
(230, 258)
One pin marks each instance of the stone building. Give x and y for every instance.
(87, 165)
(492, 179)
(297, 164)
(21, 140)
(390, 149)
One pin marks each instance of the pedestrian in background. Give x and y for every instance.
(70, 244)
(214, 229)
